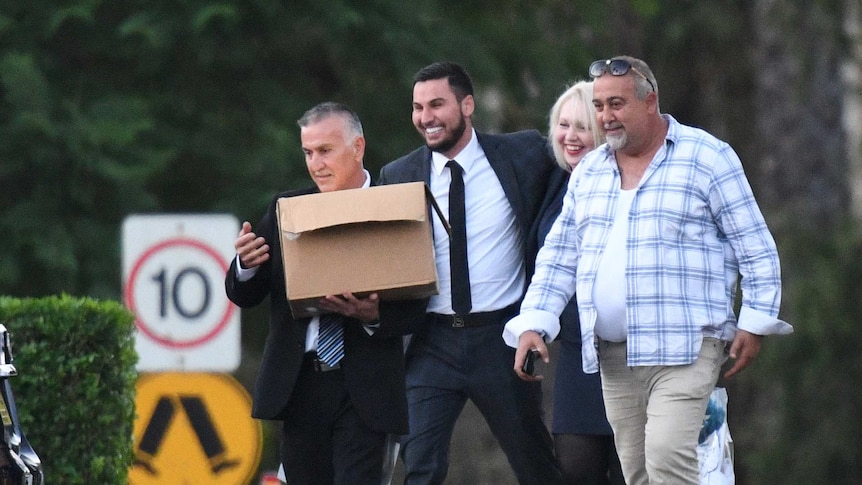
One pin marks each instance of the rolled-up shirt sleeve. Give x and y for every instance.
(760, 323)
(553, 283)
(545, 323)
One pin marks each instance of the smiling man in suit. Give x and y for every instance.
(456, 352)
(338, 397)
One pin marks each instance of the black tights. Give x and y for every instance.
(588, 459)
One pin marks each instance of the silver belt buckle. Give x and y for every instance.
(457, 321)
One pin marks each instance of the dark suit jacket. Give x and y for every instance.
(522, 162)
(373, 365)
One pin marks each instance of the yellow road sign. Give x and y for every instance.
(194, 428)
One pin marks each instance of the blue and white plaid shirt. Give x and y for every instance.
(694, 227)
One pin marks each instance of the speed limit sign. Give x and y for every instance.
(173, 281)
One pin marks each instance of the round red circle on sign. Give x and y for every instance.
(130, 294)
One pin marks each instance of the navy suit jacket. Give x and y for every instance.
(373, 365)
(522, 162)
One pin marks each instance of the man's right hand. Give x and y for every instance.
(530, 340)
(251, 249)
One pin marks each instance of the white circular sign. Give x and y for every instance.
(187, 313)
(173, 271)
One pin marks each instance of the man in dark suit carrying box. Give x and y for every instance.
(336, 383)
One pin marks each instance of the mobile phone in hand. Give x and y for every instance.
(529, 366)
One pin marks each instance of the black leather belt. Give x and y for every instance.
(478, 319)
(312, 362)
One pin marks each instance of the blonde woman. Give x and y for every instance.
(583, 439)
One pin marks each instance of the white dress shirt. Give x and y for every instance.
(494, 251)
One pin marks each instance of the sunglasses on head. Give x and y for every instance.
(616, 67)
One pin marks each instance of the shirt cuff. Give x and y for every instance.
(760, 323)
(545, 323)
(244, 274)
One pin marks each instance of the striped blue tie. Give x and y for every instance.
(330, 340)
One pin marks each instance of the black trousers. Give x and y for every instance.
(323, 439)
(448, 365)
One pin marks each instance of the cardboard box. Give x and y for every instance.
(363, 241)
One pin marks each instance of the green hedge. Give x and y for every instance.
(75, 388)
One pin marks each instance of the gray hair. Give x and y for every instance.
(642, 86)
(327, 109)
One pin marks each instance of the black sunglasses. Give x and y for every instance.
(616, 67)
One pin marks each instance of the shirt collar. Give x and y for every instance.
(464, 158)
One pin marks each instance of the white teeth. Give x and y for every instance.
(433, 130)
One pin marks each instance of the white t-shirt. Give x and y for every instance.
(609, 290)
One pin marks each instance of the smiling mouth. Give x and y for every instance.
(433, 130)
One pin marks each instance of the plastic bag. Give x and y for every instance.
(714, 445)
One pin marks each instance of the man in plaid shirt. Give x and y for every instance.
(656, 227)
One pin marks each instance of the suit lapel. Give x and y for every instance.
(504, 167)
(423, 167)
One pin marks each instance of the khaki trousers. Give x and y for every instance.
(656, 412)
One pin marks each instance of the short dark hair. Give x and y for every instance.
(459, 80)
(330, 108)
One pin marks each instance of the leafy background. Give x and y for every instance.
(113, 108)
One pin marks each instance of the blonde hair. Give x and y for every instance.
(582, 94)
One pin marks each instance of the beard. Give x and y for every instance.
(450, 141)
(617, 142)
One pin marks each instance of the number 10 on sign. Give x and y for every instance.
(173, 273)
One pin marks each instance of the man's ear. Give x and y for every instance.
(468, 104)
(359, 147)
(652, 100)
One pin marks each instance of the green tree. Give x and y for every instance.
(114, 108)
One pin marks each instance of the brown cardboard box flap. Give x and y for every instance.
(309, 212)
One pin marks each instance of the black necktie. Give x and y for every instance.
(461, 300)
